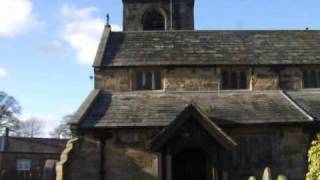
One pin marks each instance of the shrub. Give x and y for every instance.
(314, 160)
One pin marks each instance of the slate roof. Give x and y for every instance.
(140, 109)
(31, 145)
(192, 111)
(308, 101)
(178, 48)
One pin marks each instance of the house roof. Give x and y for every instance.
(309, 101)
(31, 145)
(140, 109)
(192, 110)
(183, 48)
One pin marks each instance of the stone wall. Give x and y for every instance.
(127, 156)
(264, 79)
(285, 153)
(291, 78)
(200, 78)
(80, 160)
(191, 79)
(294, 146)
(113, 80)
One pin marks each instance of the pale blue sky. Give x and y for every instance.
(46, 45)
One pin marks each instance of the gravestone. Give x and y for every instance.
(282, 177)
(267, 174)
(49, 170)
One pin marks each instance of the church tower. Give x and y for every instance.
(148, 15)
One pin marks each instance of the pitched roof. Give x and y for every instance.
(192, 110)
(32, 145)
(309, 101)
(85, 106)
(166, 48)
(134, 109)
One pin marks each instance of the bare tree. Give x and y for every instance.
(32, 127)
(63, 129)
(9, 110)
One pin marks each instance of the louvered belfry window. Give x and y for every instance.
(153, 20)
(311, 78)
(148, 80)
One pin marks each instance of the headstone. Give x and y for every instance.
(49, 170)
(252, 178)
(282, 177)
(267, 174)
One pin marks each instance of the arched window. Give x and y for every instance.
(153, 20)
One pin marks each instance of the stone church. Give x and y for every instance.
(174, 103)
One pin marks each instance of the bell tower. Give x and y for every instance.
(149, 15)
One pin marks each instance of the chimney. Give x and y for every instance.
(5, 141)
(7, 132)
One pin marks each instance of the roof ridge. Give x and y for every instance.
(217, 92)
(36, 141)
(220, 30)
(296, 105)
(35, 138)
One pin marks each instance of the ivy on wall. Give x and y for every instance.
(314, 160)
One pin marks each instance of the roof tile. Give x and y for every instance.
(160, 108)
(210, 48)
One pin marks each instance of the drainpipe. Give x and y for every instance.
(102, 158)
(171, 14)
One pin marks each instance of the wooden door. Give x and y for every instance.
(190, 164)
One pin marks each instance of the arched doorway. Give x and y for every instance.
(153, 20)
(190, 164)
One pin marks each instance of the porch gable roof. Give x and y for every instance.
(192, 110)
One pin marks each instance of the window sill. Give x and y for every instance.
(245, 90)
(311, 89)
(161, 90)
